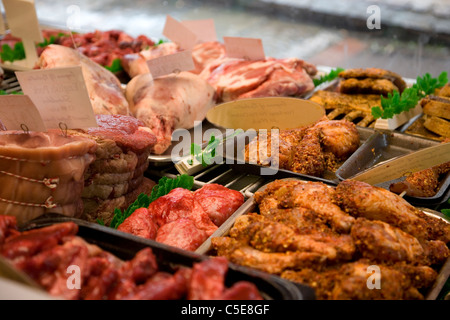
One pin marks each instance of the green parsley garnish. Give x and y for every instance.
(396, 103)
(333, 74)
(116, 66)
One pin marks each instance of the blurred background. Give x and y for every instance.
(410, 37)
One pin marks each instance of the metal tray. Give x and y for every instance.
(125, 246)
(250, 206)
(383, 146)
(234, 157)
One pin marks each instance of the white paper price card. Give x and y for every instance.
(2, 24)
(179, 33)
(60, 95)
(244, 48)
(18, 112)
(172, 63)
(23, 22)
(205, 30)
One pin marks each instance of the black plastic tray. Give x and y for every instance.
(125, 246)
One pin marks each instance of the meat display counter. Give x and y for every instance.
(300, 232)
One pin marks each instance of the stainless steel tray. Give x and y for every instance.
(234, 157)
(383, 146)
(250, 206)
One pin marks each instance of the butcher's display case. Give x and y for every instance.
(235, 150)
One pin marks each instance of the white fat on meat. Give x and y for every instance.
(169, 103)
(104, 88)
(237, 78)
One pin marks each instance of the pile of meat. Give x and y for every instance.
(311, 150)
(104, 88)
(116, 177)
(183, 218)
(43, 172)
(331, 239)
(102, 47)
(357, 92)
(45, 254)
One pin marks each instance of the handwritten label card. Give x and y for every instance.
(205, 30)
(2, 24)
(179, 33)
(18, 112)
(23, 23)
(244, 48)
(172, 63)
(60, 95)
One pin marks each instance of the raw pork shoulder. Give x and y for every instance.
(237, 79)
(168, 103)
(104, 88)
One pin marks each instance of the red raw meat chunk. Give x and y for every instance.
(7, 224)
(181, 233)
(208, 279)
(140, 223)
(29, 243)
(179, 203)
(218, 201)
(242, 290)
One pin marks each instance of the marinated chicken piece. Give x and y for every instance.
(207, 279)
(310, 150)
(315, 196)
(180, 203)
(350, 282)
(218, 202)
(363, 200)
(269, 236)
(169, 103)
(104, 88)
(307, 156)
(374, 73)
(445, 90)
(341, 138)
(422, 183)
(301, 220)
(140, 223)
(436, 106)
(239, 253)
(420, 276)
(378, 241)
(259, 149)
(181, 233)
(367, 86)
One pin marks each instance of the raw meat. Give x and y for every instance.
(237, 78)
(168, 103)
(44, 172)
(104, 88)
(218, 201)
(181, 233)
(140, 223)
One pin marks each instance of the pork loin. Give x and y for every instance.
(44, 173)
(169, 103)
(104, 88)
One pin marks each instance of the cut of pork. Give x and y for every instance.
(104, 88)
(168, 103)
(237, 78)
(43, 172)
